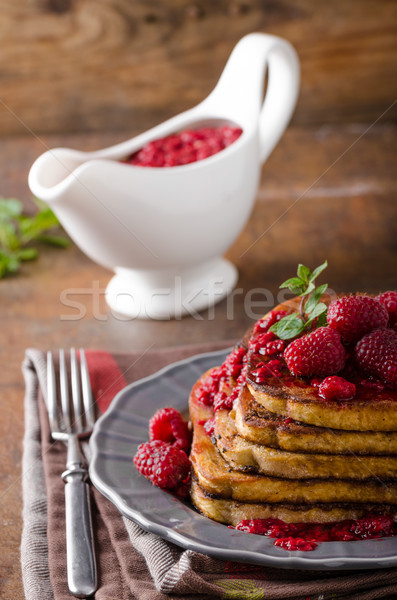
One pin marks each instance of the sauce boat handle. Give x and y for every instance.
(239, 92)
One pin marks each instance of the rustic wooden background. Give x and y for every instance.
(88, 73)
(124, 65)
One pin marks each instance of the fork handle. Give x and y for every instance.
(81, 566)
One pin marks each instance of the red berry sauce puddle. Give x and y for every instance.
(186, 147)
(306, 536)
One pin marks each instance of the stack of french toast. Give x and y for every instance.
(268, 444)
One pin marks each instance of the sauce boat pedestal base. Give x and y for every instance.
(163, 295)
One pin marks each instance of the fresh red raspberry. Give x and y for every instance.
(376, 355)
(354, 316)
(389, 301)
(168, 425)
(336, 388)
(164, 465)
(317, 353)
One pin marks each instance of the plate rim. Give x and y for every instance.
(287, 560)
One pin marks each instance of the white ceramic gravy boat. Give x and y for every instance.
(163, 231)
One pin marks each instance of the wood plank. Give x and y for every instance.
(107, 65)
(348, 214)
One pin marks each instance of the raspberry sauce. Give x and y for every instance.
(306, 536)
(233, 373)
(186, 147)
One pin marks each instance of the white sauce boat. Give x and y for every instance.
(163, 231)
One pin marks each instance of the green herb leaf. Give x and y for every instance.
(18, 231)
(310, 307)
(54, 240)
(304, 273)
(318, 270)
(10, 208)
(318, 310)
(309, 289)
(288, 327)
(8, 235)
(295, 285)
(27, 254)
(314, 298)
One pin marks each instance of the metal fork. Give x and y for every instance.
(70, 422)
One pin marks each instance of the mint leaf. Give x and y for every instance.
(304, 273)
(18, 231)
(8, 235)
(318, 310)
(27, 254)
(318, 270)
(314, 298)
(32, 227)
(322, 319)
(295, 285)
(10, 208)
(309, 289)
(288, 327)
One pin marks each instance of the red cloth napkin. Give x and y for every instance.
(134, 564)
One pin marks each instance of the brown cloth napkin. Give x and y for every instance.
(134, 564)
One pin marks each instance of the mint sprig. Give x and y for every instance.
(310, 308)
(20, 233)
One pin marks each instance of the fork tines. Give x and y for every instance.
(78, 416)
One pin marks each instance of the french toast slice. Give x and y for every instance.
(296, 397)
(245, 455)
(378, 413)
(216, 477)
(257, 424)
(231, 512)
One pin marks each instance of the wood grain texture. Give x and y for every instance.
(95, 65)
(326, 192)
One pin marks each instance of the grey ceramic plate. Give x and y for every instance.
(114, 442)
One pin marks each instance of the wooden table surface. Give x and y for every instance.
(327, 192)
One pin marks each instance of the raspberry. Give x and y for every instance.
(354, 316)
(274, 316)
(168, 425)
(376, 354)
(164, 465)
(374, 526)
(223, 401)
(389, 301)
(317, 353)
(271, 369)
(267, 344)
(186, 147)
(292, 544)
(257, 342)
(336, 388)
(209, 426)
(234, 362)
(209, 387)
(182, 490)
